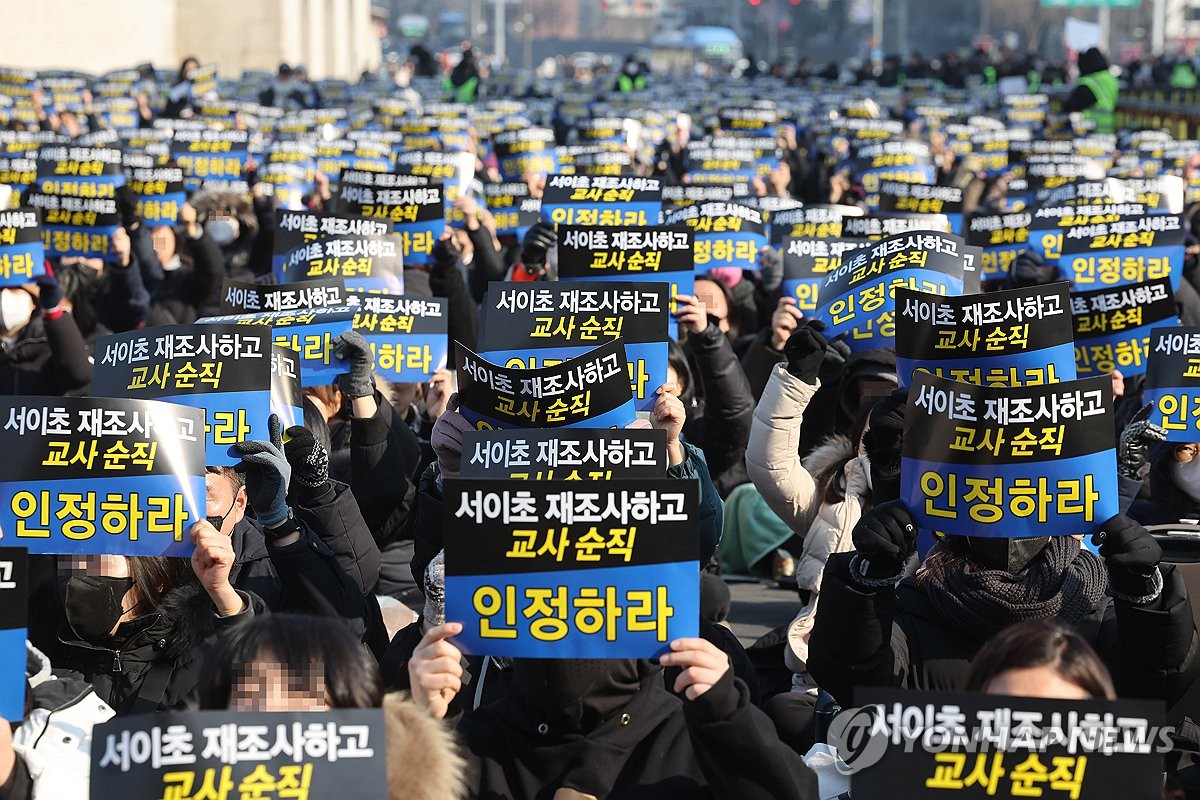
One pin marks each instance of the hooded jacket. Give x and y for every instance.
(249, 255)
(652, 745)
(423, 758)
(719, 423)
(155, 662)
(48, 357)
(832, 409)
(193, 289)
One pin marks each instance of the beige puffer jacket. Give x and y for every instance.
(790, 486)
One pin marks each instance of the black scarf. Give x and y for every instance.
(1065, 582)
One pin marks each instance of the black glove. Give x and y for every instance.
(358, 382)
(885, 537)
(835, 361)
(442, 254)
(1133, 451)
(1132, 557)
(308, 458)
(805, 350)
(50, 293)
(127, 207)
(882, 443)
(267, 475)
(538, 241)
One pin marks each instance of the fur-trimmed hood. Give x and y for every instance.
(423, 758)
(208, 200)
(829, 458)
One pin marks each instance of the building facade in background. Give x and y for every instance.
(332, 38)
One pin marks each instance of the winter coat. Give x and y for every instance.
(793, 488)
(155, 661)
(423, 758)
(193, 289)
(720, 423)
(894, 637)
(48, 357)
(832, 409)
(717, 746)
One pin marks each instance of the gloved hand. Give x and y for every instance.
(446, 438)
(435, 592)
(538, 241)
(267, 474)
(805, 350)
(1133, 450)
(885, 537)
(770, 264)
(49, 292)
(127, 207)
(443, 253)
(359, 381)
(308, 458)
(1132, 557)
(834, 363)
(882, 443)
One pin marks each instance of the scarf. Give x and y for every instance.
(1064, 583)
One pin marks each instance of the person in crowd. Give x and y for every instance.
(193, 269)
(42, 351)
(1095, 93)
(462, 84)
(876, 627)
(1040, 658)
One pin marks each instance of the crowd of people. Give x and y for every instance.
(316, 580)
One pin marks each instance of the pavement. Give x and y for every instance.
(758, 608)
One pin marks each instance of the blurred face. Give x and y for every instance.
(222, 503)
(267, 685)
(163, 239)
(714, 303)
(1041, 682)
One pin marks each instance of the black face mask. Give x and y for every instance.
(575, 696)
(1007, 555)
(217, 522)
(93, 604)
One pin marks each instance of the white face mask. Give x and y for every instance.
(1187, 478)
(15, 310)
(222, 231)
(172, 264)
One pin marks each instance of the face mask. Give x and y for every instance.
(222, 231)
(865, 463)
(574, 696)
(172, 264)
(728, 276)
(217, 522)
(93, 604)
(15, 310)
(1187, 478)
(1006, 555)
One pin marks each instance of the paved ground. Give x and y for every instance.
(757, 608)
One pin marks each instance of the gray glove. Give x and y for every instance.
(446, 438)
(267, 474)
(358, 382)
(1133, 450)
(770, 264)
(435, 591)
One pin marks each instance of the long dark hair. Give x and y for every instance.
(295, 641)
(155, 576)
(1041, 643)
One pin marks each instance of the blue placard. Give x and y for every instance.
(1113, 268)
(162, 209)
(14, 616)
(1048, 365)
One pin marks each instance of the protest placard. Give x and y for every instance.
(14, 617)
(926, 744)
(858, 298)
(578, 454)
(22, 254)
(192, 754)
(532, 325)
(230, 372)
(726, 234)
(806, 262)
(588, 391)
(1015, 337)
(1009, 461)
(1173, 382)
(407, 335)
(415, 210)
(547, 569)
(601, 200)
(97, 475)
(1112, 326)
(309, 332)
(242, 297)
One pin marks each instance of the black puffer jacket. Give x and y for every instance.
(48, 357)
(193, 289)
(833, 408)
(154, 661)
(719, 422)
(653, 746)
(894, 637)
